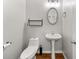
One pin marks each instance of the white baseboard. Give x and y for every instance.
(64, 55)
(50, 52)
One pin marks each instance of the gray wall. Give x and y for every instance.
(36, 9)
(69, 27)
(13, 22)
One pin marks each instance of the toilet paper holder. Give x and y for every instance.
(7, 44)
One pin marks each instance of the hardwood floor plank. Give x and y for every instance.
(48, 56)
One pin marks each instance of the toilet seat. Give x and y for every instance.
(31, 50)
(28, 53)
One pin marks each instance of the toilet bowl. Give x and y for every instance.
(30, 51)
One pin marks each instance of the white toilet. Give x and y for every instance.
(30, 51)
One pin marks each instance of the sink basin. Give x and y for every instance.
(53, 36)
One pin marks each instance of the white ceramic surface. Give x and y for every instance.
(53, 37)
(31, 50)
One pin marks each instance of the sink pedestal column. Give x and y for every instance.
(53, 37)
(53, 50)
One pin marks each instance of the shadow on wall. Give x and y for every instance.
(25, 41)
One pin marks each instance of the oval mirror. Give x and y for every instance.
(52, 16)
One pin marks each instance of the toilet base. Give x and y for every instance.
(34, 57)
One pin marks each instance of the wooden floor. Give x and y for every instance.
(48, 56)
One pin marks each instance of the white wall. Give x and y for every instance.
(36, 9)
(68, 27)
(13, 27)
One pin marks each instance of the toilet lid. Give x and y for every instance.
(29, 52)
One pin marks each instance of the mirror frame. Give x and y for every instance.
(56, 16)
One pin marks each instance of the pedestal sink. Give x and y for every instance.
(53, 37)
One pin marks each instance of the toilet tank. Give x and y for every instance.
(34, 42)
